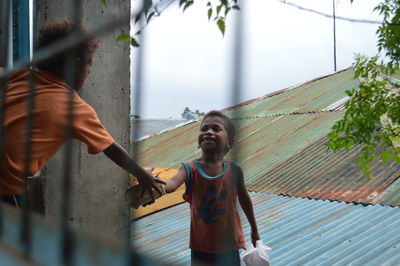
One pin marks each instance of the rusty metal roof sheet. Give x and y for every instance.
(316, 173)
(300, 232)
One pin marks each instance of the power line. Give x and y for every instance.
(330, 16)
(334, 35)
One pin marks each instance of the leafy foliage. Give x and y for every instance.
(372, 117)
(217, 10)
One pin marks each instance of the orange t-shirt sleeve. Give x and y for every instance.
(88, 128)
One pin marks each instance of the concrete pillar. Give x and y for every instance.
(97, 199)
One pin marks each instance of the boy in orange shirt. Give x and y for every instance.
(50, 116)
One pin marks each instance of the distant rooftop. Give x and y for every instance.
(147, 127)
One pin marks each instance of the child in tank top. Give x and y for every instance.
(212, 186)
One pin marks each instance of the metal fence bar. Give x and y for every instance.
(237, 69)
(67, 242)
(23, 52)
(4, 47)
(25, 236)
(137, 107)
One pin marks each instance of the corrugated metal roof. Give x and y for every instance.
(316, 173)
(286, 155)
(311, 96)
(280, 144)
(255, 137)
(300, 232)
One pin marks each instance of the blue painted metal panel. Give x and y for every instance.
(21, 29)
(46, 245)
(300, 231)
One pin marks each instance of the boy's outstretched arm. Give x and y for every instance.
(177, 180)
(122, 158)
(247, 206)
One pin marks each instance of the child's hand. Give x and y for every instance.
(254, 237)
(151, 184)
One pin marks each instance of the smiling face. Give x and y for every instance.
(213, 136)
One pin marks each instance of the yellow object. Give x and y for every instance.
(165, 201)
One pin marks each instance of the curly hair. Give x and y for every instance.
(53, 31)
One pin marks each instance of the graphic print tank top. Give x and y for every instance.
(215, 224)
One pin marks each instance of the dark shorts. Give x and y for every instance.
(218, 259)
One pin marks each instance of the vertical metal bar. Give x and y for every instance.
(5, 8)
(137, 109)
(138, 82)
(23, 53)
(334, 35)
(2, 140)
(25, 236)
(237, 69)
(67, 242)
(4, 58)
(66, 235)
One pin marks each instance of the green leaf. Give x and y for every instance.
(188, 4)
(125, 36)
(221, 25)
(386, 155)
(227, 11)
(104, 2)
(396, 159)
(181, 2)
(209, 13)
(122, 37)
(133, 42)
(236, 7)
(219, 9)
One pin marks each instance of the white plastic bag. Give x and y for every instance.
(256, 256)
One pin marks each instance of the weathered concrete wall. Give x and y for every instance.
(97, 200)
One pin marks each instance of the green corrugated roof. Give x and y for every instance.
(308, 97)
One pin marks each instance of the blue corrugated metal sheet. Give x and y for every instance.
(300, 232)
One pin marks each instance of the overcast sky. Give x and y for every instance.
(187, 61)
